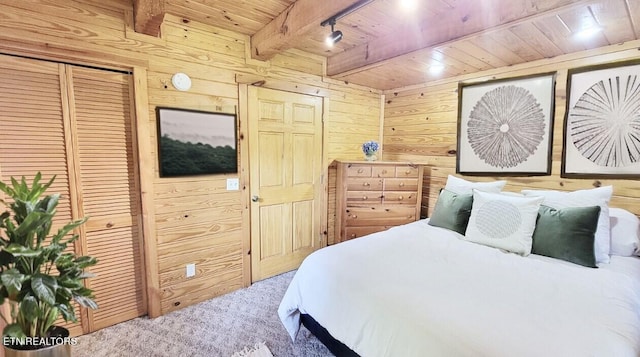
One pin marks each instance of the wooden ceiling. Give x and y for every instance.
(386, 47)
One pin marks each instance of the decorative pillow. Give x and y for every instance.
(584, 198)
(452, 211)
(462, 186)
(625, 232)
(503, 221)
(567, 234)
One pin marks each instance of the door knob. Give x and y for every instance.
(255, 198)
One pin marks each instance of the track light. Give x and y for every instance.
(334, 37)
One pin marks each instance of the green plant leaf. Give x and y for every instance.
(29, 308)
(31, 224)
(12, 279)
(18, 250)
(85, 301)
(67, 312)
(49, 319)
(86, 275)
(85, 261)
(14, 330)
(68, 228)
(44, 287)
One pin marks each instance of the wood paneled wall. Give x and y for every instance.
(194, 219)
(420, 125)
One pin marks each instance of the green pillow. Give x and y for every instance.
(567, 234)
(452, 211)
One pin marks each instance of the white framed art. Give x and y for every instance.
(602, 122)
(505, 126)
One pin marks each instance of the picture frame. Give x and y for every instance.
(193, 142)
(505, 126)
(601, 129)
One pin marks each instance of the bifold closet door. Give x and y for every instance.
(76, 123)
(33, 131)
(107, 184)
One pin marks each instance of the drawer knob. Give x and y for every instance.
(360, 171)
(401, 184)
(353, 235)
(364, 198)
(366, 184)
(407, 172)
(110, 224)
(354, 216)
(399, 198)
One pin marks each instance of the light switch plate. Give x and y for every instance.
(191, 270)
(233, 184)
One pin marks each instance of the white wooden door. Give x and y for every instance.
(285, 149)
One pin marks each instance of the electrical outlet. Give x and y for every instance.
(191, 270)
(233, 184)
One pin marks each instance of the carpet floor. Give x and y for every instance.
(216, 327)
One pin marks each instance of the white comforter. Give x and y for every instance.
(418, 290)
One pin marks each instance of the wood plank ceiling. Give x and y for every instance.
(387, 47)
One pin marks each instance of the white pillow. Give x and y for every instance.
(583, 198)
(625, 232)
(503, 221)
(464, 187)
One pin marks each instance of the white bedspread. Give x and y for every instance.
(418, 290)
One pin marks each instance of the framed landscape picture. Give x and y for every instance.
(505, 127)
(194, 142)
(602, 122)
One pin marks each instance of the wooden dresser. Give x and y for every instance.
(374, 196)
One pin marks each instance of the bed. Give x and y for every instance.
(422, 290)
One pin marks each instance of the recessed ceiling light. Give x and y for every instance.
(408, 4)
(436, 69)
(588, 32)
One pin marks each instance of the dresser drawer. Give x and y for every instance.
(401, 184)
(406, 171)
(363, 197)
(383, 171)
(364, 184)
(400, 197)
(356, 232)
(378, 215)
(359, 171)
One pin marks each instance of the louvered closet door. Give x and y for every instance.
(32, 131)
(107, 182)
(76, 123)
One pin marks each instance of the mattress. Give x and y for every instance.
(418, 290)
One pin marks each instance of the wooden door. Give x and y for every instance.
(285, 149)
(33, 132)
(106, 182)
(76, 123)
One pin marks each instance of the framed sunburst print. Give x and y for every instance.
(602, 122)
(505, 126)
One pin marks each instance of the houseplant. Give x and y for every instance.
(37, 276)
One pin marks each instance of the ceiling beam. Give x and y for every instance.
(465, 21)
(148, 16)
(292, 25)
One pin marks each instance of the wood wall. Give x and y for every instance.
(420, 125)
(187, 220)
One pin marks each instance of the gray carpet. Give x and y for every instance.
(217, 327)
